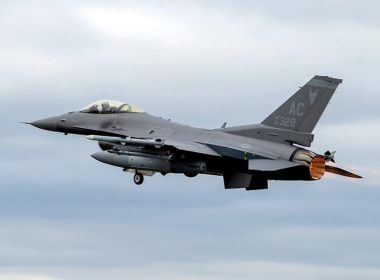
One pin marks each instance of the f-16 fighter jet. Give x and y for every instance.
(245, 156)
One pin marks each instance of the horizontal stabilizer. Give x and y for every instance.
(270, 165)
(260, 131)
(241, 153)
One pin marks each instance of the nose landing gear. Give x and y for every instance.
(138, 178)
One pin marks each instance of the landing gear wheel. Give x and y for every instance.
(138, 178)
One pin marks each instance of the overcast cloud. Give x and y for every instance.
(65, 216)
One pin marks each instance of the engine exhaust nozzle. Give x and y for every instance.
(317, 167)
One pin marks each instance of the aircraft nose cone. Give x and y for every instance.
(47, 124)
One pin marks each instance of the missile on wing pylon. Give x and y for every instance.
(158, 143)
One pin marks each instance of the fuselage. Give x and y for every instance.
(145, 126)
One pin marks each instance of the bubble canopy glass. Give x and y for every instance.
(110, 107)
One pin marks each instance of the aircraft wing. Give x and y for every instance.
(179, 144)
(194, 147)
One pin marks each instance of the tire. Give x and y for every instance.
(138, 178)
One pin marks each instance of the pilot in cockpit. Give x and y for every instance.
(110, 107)
(93, 109)
(106, 108)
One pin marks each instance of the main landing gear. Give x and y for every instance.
(138, 178)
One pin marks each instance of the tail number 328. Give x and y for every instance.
(285, 121)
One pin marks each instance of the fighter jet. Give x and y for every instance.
(245, 156)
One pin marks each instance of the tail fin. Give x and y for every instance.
(302, 111)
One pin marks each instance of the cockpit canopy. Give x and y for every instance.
(110, 107)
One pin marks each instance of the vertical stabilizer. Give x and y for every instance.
(302, 111)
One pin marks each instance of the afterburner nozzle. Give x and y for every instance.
(315, 163)
(317, 167)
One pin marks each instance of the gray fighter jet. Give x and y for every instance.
(246, 156)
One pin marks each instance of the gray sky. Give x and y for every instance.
(65, 216)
